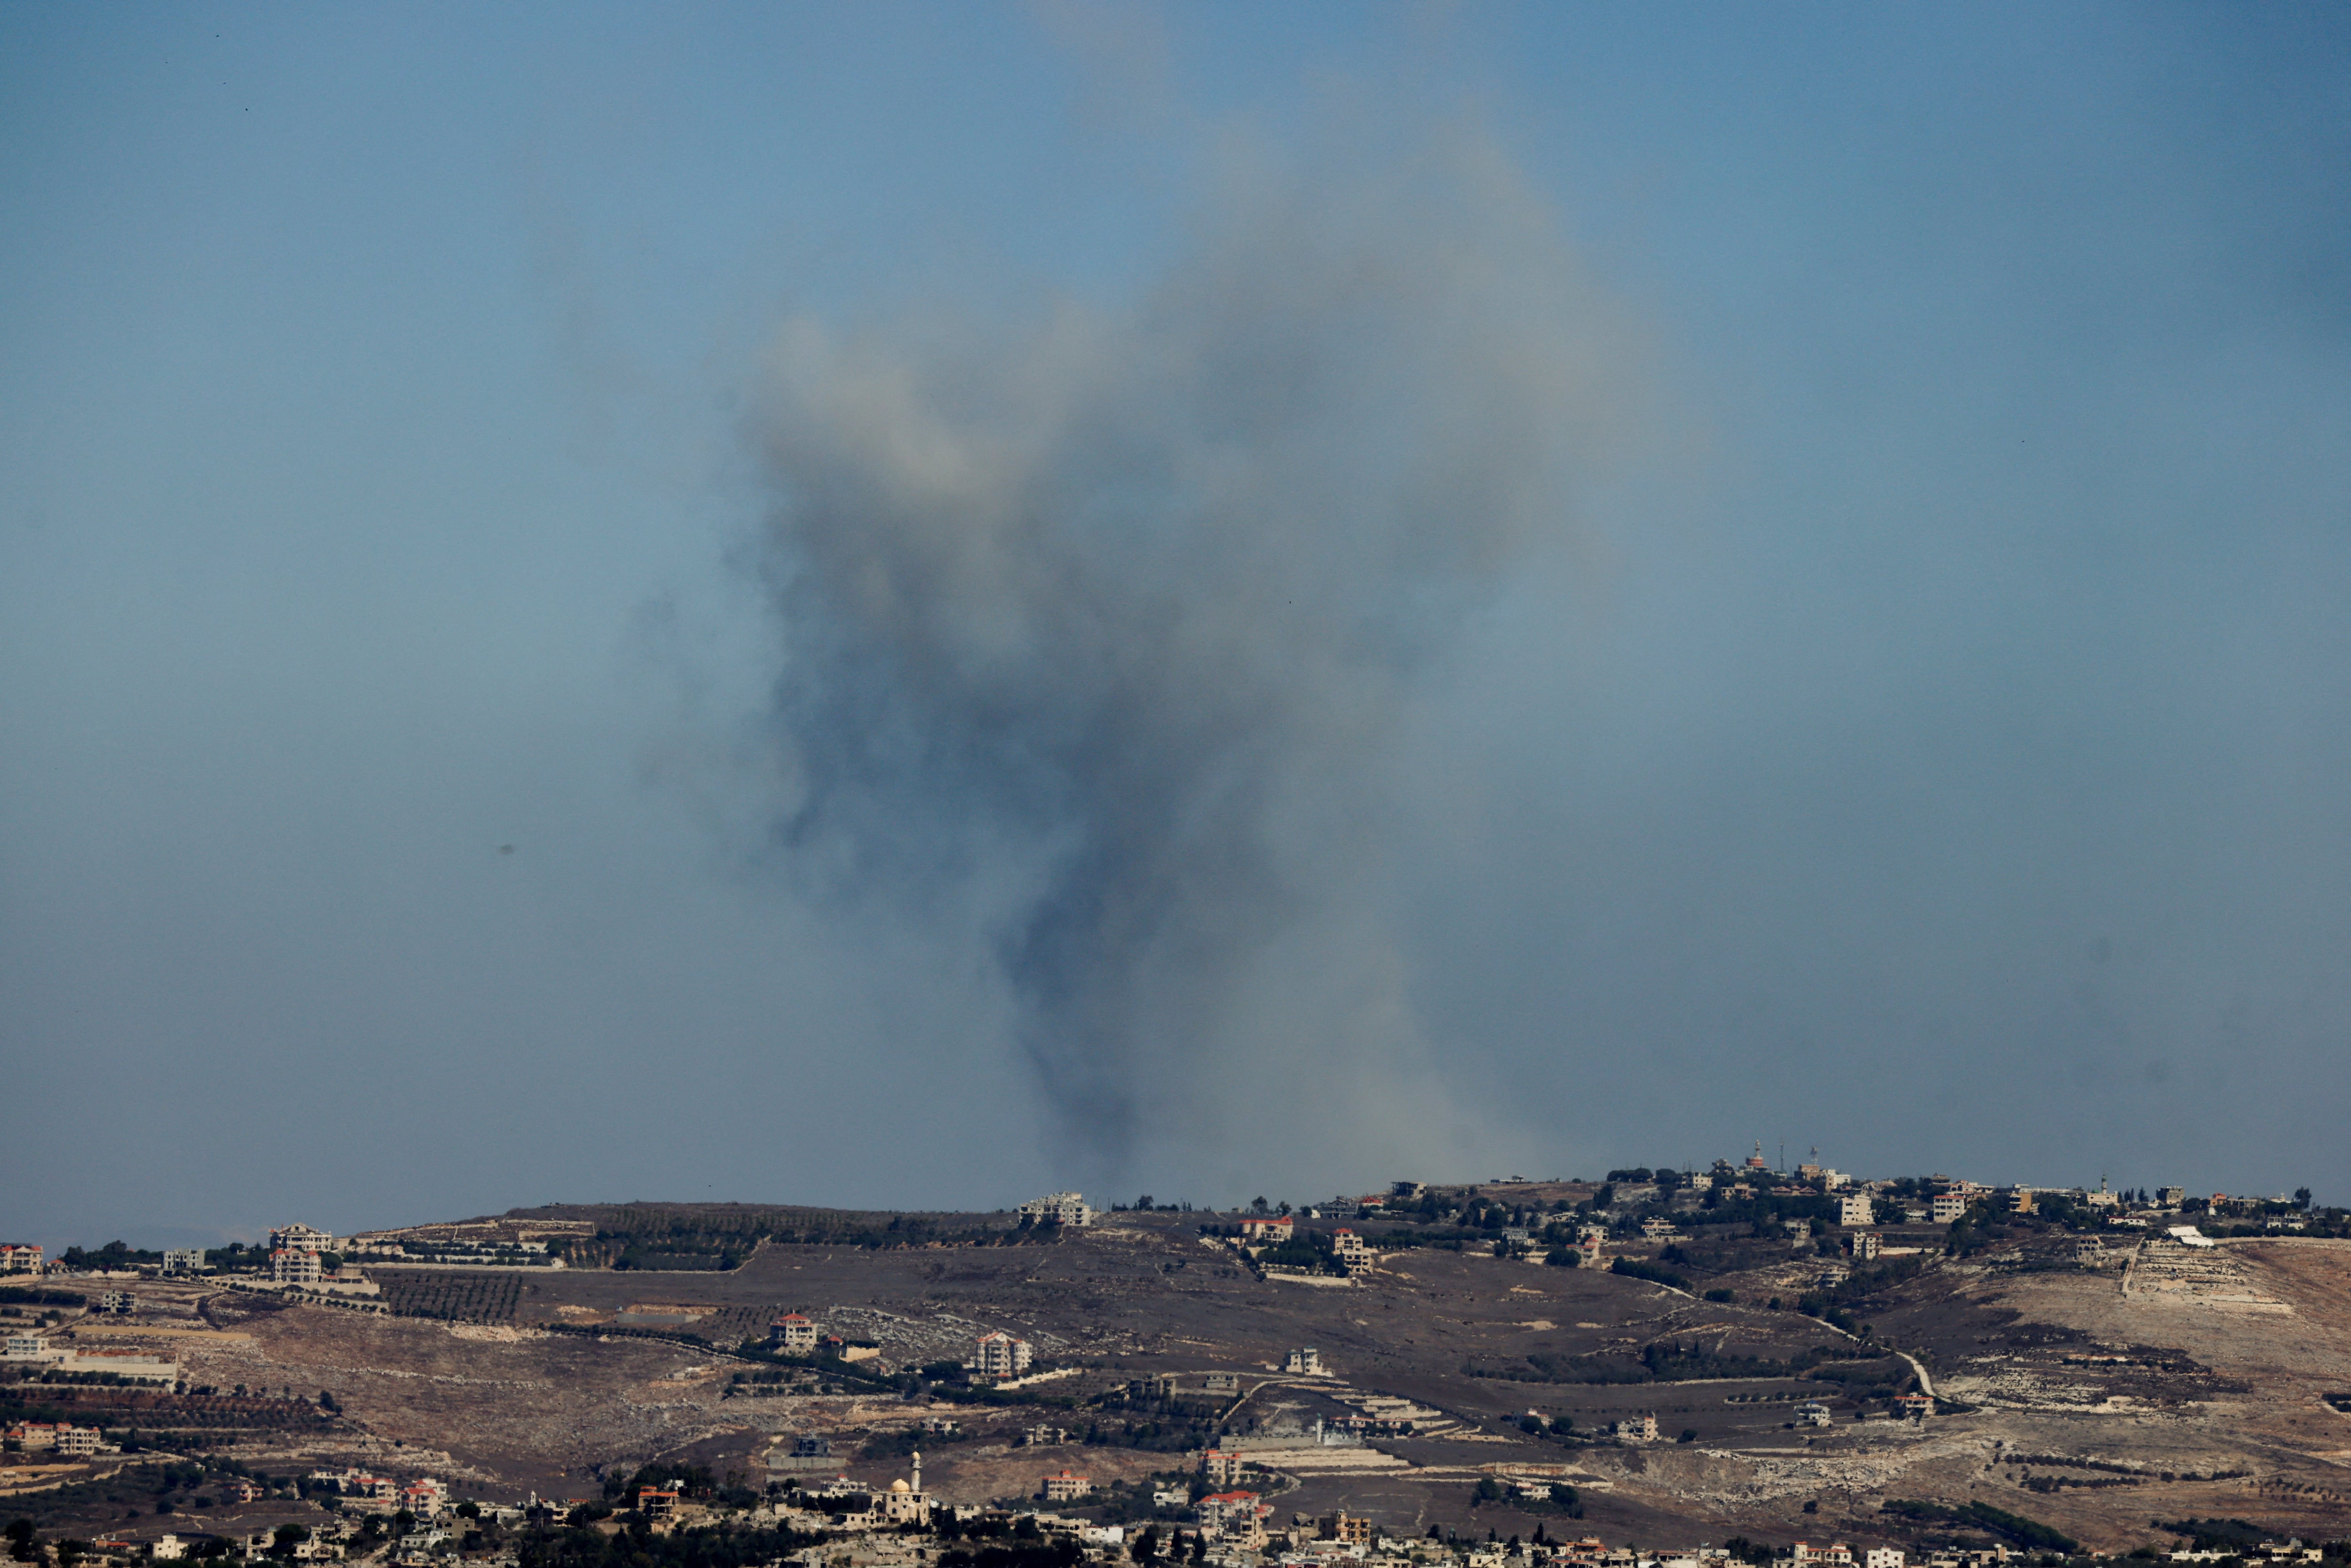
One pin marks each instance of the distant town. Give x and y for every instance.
(1139, 1407)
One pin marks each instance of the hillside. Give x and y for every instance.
(2090, 1399)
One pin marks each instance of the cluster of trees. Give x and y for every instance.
(720, 1236)
(1656, 1273)
(29, 1296)
(636, 1546)
(456, 1297)
(1665, 1178)
(1673, 1361)
(1558, 1498)
(113, 1255)
(1983, 1516)
(1019, 1543)
(1308, 1250)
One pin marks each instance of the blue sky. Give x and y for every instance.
(1930, 746)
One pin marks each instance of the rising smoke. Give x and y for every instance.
(1119, 612)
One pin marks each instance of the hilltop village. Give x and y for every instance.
(1658, 1367)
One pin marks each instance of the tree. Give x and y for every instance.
(1258, 1204)
(2301, 1198)
(1146, 1545)
(21, 1539)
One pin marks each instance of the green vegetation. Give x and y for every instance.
(638, 1547)
(1667, 1361)
(453, 1297)
(719, 1236)
(1765, 1209)
(113, 1255)
(2216, 1534)
(1656, 1273)
(1982, 1515)
(1307, 1251)
(20, 1296)
(1060, 1552)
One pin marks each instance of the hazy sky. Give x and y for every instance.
(900, 606)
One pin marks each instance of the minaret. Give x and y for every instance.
(918, 1472)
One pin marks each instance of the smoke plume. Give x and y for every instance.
(1119, 611)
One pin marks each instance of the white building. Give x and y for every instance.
(294, 1266)
(998, 1355)
(1058, 1208)
(300, 1238)
(184, 1260)
(19, 1258)
(1067, 1488)
(1945, 1207)
(1882, 1557)
(27, 1347)
(1856, 1209)
(1349, 1248)
(1637, 1428)
(793, 1334)
(1306, 1363)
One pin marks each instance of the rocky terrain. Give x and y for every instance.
(2093, 1396)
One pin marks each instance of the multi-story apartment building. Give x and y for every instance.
(1058, 1208)
(301, 1237)
(998, 1355)
(792, 1333)
(294, 1266)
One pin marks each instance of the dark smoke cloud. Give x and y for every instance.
(1116, 613)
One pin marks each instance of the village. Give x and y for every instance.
(1295, 1458)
